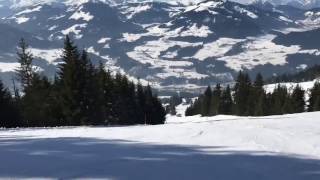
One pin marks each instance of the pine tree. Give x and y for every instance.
(226, 103)
(195, 108)
(206, 102)
(314, 100)
(155, 113)
(215, 101)
(9, 112)
(119, 106)
(25, 59)
(268, 104)
(55, 105)
(298, 100)
(259, 97)
(261, 106)
(288, 106)
(92, 104)
(141, 102)
(129, 102)
(81, 89)
(36, 90)
(105, 88)
(190, 110)
(241, 94)
(280, 102)
(133, 106)
(158, 114)
(148, 104)
(35, 103)
(70, 85)
(259, 82)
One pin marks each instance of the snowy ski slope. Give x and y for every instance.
(223, 147)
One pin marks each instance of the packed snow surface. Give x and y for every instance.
(223, 147)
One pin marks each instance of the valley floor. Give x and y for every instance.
(223, 148)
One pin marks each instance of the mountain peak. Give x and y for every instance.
(296, 3)
(17, 4)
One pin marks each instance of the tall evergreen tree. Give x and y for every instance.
(215, 101)
(259, 82)
(36, 90)
(298, 99)
(226, 102)
(314, 100)
(288, 106)
(206, 102)
(258, 97)
(70, 80)
(92, 104)
(128, 102)
(141, 101)
(25, 59)
(120, 86)
(241, 94)
(9, 111)
(81, 94)
(35, 103)
(280, 100)
(158, 112)
(105, 88)
(148, 104)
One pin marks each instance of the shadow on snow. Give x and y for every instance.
(69, 158)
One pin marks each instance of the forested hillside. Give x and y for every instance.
(80, 94)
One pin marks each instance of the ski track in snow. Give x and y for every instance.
(223, 147)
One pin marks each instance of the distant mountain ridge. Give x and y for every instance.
(171, 46)
(24, 3)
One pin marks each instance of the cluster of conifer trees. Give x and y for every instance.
(307, 74)
(249, 98)
(174, 101)
(80, 94)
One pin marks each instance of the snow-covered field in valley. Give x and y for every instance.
(223, 148)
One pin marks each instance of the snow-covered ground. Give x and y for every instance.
(223, 147)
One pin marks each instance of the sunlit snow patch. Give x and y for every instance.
(49, 55)
(79, 14)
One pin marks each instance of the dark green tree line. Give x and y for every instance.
(250, 99)
(80, 94)
(314, 100)
(9, 112)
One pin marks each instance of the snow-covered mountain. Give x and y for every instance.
(25, 3)
(304, 4)
(4, 8)
(19, 4)
(168, 44)
(307, 4)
